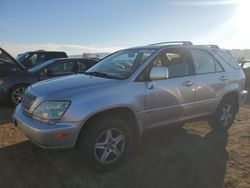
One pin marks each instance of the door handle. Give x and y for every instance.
(223, 78)
(188, 83)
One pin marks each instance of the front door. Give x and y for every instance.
(170, 100)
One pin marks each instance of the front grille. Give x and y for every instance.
(28, 101)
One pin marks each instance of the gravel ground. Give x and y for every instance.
(191, 156)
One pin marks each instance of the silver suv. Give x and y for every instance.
(105, 111)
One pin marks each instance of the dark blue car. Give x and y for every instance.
(15, 78)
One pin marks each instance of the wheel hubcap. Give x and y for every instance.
(17, 95)
(227, 115)
(109, 145)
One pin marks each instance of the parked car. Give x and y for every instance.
(245, 65)
(14, 78)
(33, 58)
(105, 111)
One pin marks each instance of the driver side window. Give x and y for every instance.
(176, 62)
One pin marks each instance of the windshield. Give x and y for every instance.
(121, 64)
(22, 57)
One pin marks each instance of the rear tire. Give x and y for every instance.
(105, 143)
(224, 115)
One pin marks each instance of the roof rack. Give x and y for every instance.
(209, 45)
(174, 42)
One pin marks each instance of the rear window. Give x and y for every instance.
(228, 58)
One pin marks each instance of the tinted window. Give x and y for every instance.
(41, 58)
(22, 57)
(203, 62)
(62, 68)
(176, 62)
(30, 61)
(228, 58)
(81, 66)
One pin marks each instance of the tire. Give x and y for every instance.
(16, 94)
(105, 143)
(224, 115)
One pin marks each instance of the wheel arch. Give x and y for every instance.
(15, 85)
(125, 114)
(235, 96)
(11, 89)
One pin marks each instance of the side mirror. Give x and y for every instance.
(46, 72)
(158, 73)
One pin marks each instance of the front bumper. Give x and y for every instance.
(243, 97)
(60, 135)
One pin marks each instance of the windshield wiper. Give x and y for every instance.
(100, 74)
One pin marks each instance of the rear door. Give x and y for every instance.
(170, 100)
(210, 80)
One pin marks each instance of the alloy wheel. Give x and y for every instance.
(109, 146)
(226, 115)
(17, 95)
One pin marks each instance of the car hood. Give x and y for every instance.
(11, 59)
(68, 86)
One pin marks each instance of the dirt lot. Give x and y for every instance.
(191, 156)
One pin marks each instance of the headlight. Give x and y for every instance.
(50, 111)
(1, 82)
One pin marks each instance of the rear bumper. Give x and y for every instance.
(60, 135)
(243, 97)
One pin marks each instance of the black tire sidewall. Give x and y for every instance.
(215, 122)
(88, 138)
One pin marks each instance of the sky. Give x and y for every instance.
(86, 26)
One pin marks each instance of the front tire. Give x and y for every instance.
(105, 143)
(224, 115)
(16, 94)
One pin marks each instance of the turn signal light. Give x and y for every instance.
(61, 135)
